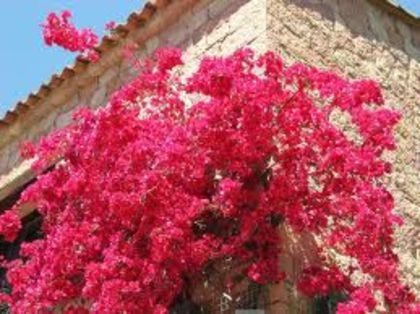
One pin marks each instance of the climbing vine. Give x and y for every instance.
(176, 172)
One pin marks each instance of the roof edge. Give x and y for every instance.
(134, 21)
(398, 11)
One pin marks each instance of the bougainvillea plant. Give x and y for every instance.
(59, 30)
(176, 172)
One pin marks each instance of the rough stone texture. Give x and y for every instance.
(353, 37)
(198, 27)
(360, 40)
(297, 254)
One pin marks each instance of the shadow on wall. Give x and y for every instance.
(369, 20)
(359, 39)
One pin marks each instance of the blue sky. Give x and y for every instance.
(25, 62)
(411, 5)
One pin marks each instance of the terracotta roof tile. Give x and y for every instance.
(134, 21)
(393, 7)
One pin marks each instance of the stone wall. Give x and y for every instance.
(198, 27)
(353, 37)
(361, 40)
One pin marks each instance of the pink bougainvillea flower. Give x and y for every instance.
(176, 172)
(59, 30)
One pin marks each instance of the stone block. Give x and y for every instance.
(99, 97)
(63, 119)
(108, 75)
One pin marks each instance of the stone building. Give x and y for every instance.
(358, 38)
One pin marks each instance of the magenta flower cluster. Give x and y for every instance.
(59, 30)
(175, 173)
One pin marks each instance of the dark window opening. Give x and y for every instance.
(31, 230)
(254, 297)
(328, 304)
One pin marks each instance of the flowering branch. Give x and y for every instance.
(151, 190)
